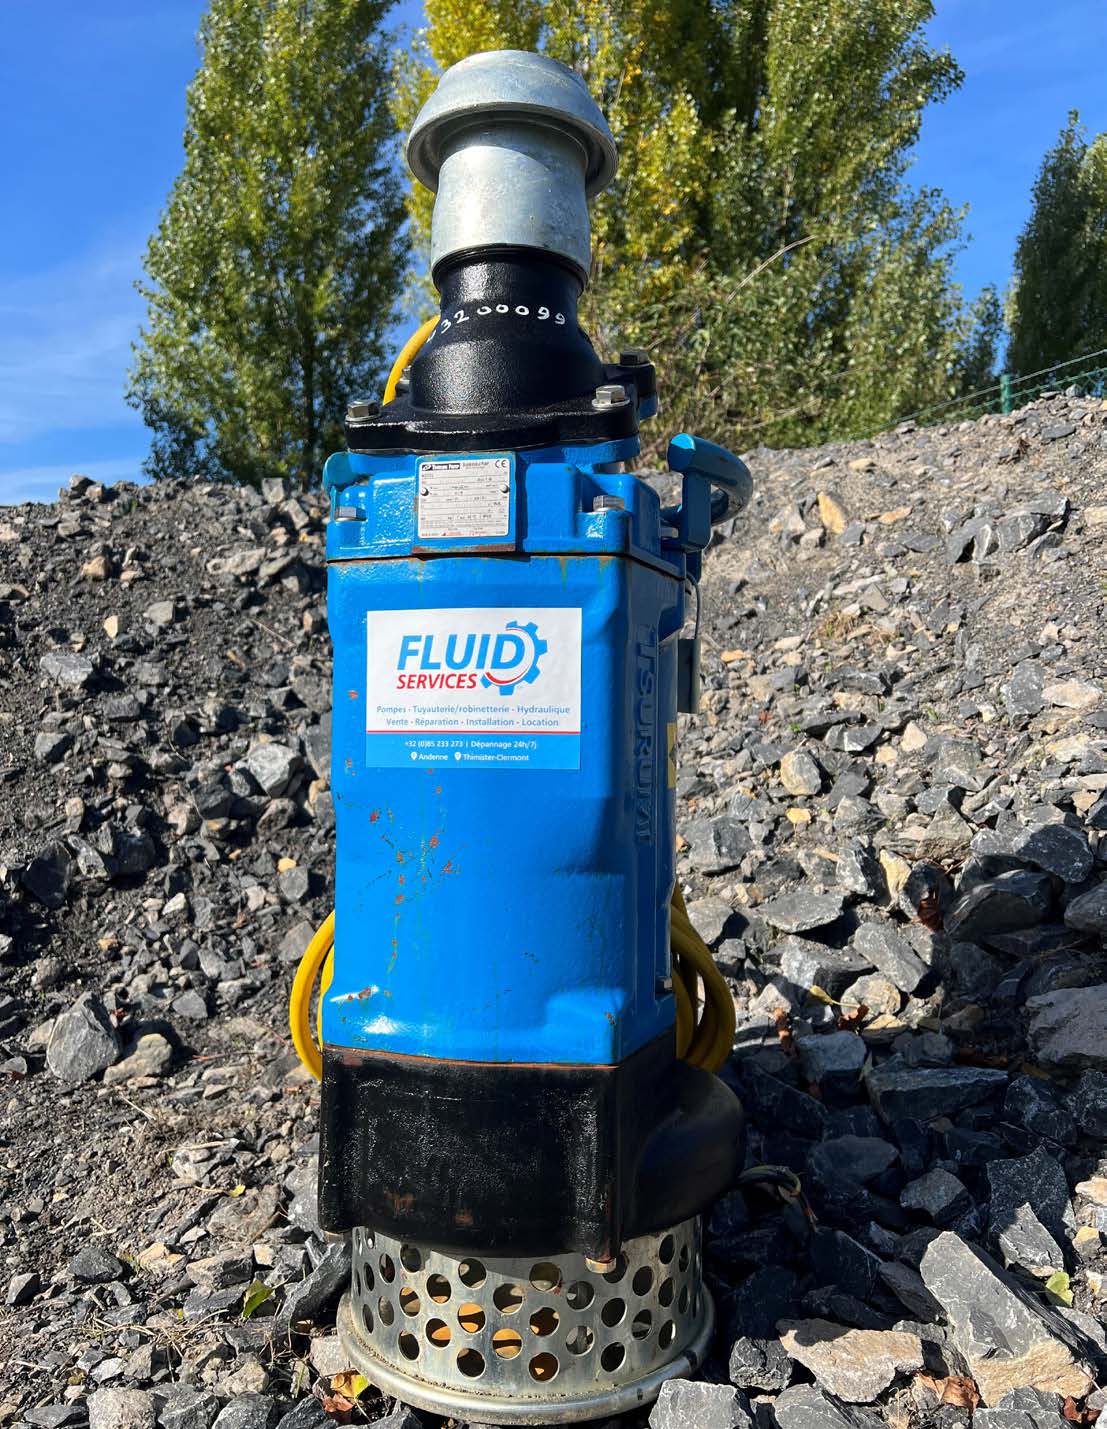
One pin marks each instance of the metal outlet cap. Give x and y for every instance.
(513, 145)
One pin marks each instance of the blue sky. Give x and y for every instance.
(91, 114)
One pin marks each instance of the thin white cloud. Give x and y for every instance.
(42, 483)
(65, 336)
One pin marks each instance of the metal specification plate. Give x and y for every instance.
(469, 496)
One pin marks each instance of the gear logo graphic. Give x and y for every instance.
(525, 670)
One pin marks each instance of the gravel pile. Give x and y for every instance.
(893, 833)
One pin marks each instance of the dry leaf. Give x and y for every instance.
(349, 1383)
(338, 1407)
(956, 1389)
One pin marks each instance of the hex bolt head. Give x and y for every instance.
(608, 503)
(610, 394)
(360, 411)
(633, 357)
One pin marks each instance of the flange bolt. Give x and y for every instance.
(610, 394)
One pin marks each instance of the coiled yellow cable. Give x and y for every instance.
(704, 1041)
(703, 1037)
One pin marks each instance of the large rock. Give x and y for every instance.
(1034, 1183)
(246, 1411)
(799, 774)
(83, 1041)
(833, 1061)
(1067, 1028)
(72, 672)
(120, 1409)
(1055, 849)
(1012, 900)
(49, 875)
(305, 1299)
(690, 1404)
(758, 1360)
(1088, 1102)
(855, 1365)
(798, 912)
(890, 954)
(1088, 911)
(1009, 1339)
(1022, 1409)
(716, 845)
(805, 1406)
(187, 1407)
(152, 1056)
(274, 766)
(938, 1194)
(900, 1091)
(806, 964)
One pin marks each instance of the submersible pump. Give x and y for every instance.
(519, 1029)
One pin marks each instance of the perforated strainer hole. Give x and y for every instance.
(543, 1367)
(642, 1281)
(388, 1269)
(471, 1273)
(580, 1340)
(682, 1258)
(682, 1300)
(438, 1288)
(613, 1312)
(471, 1318)
(507, 1298)
(666, 1249)
(438, 1332)
(545, 1276)
(409, 1345)
(410, 1258)
(409, 1301)
(367, 1318)
(470, 1363)
(544, 1321)
(666, 1335)
(665, 1294)
(612, 1357)
(641, 1325)
(507, 1343)
(385, 1310)
(369, 1279)
(617, 1271)
(579, 1295)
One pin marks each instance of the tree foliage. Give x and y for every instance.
(1058, 303)
(273, 273)
(760, 238)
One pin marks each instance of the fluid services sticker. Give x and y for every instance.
(479, 689)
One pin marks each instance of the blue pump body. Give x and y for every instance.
(503, 756)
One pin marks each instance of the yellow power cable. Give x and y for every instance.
(703, 1037)
(704, 1042)
(407, 356)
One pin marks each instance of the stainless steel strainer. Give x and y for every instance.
(510, 1341)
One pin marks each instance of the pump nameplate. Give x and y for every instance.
(495, 687)
(464, 498)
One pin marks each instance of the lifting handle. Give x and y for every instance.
(728, 474)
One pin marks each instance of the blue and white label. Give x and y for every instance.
(478, 689)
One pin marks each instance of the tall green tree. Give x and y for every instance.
(761, 238)
(1058, 304)
(273, 275)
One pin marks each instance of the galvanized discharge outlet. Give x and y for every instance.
(514, 146)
